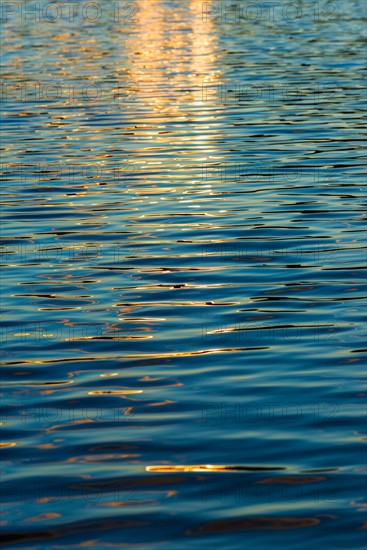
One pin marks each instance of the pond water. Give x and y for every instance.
(183, 254)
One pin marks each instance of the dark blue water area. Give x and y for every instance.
(183, 258)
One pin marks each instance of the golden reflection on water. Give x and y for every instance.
(209, 468)
(157, 53)
(114, 392)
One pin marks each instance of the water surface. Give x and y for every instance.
(184, 260)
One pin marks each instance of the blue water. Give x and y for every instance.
(183, 274)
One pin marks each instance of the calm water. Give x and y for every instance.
(183, 260)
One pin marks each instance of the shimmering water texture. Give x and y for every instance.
(183, 277)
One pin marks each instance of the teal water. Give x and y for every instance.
(183, 274)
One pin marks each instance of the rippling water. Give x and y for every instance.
(183, 255)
